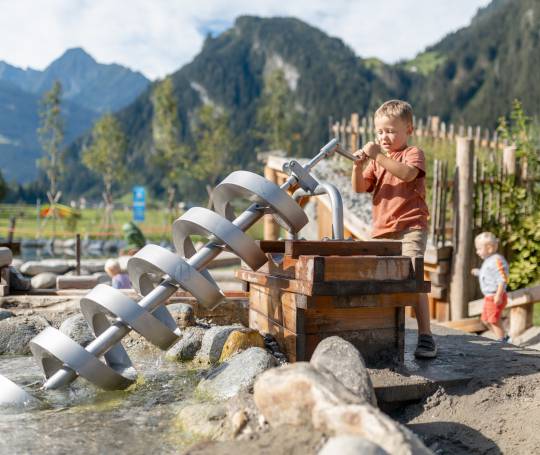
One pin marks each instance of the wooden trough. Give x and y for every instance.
(310, 290)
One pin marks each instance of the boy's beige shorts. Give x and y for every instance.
(414, 241)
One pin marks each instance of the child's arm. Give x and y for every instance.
(400, 170)
(498, 295)
(359, 183)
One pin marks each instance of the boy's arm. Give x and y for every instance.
(402, 171)
(359, 183)
(498, 295)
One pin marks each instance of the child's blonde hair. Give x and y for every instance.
(112, 265)
(486, 237)
(396, 109)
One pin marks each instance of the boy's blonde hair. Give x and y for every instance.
(112, 265)
(486, 237)
(396, 109)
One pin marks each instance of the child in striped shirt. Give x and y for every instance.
(493, 277)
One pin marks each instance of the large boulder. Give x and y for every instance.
(16, 333)
(58, 266)
(351, 445)
(77, 329)
(44, 280)
(204, 421)
(341, 359)
(187, 347)
(369, 422)
(288, 395)
(213, 341)
(240, 340)
(236, 374)
(4, 314)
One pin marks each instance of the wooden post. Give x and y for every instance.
(463, 246)
(354, 144)
(509, 160)
(271, 228)
(521, 318)
(78, 254)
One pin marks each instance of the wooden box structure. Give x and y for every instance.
(310, 290)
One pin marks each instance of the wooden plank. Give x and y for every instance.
(271, 246)
(470, 325)
(279, 307)
(521, 318)
(365, 301)
(439, 279)
(296, 248)
(292, 345)
(279, 265)
(345, 319)
(438, 292)
(400, 335)
(442, 310)
(440, 267)
(337, 288)
(515, 298)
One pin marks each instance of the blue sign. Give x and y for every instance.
(139, 203)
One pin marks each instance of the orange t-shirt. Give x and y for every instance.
(398, 205)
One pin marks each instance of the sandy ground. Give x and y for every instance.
(484, 417)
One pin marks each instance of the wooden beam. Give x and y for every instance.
(470, 325)
(296, 248)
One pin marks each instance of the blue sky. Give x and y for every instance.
(156, 37)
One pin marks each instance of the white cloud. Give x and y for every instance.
(158, 36)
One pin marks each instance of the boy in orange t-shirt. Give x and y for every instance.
(395, 175)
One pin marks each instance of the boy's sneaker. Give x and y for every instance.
(426, 348)
(505, 339)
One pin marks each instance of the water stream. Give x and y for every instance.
(84, 419)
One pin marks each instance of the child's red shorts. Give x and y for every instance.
(491, 312)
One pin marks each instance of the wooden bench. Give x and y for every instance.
(310, 290)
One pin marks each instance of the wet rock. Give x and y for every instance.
(16, 333)
(44, 280)
(213, 341)
(17, 282)
(183, 314)
(351, 445)
(289, 395)
(205, 421)
(240, 340)
(236, 374)
(58, 266)
(77, 329)
(4, 314)
(338, 357)
(368, 422)
(102, 277)
(5, 256)
(186, 348)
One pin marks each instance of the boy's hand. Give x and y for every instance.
(372, 150)
(475, 272)
(360, 156)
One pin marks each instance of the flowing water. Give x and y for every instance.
(83, 419)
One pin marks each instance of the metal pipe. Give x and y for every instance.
(167, 288)
(336, 205)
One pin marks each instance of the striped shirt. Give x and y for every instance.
(494, 271)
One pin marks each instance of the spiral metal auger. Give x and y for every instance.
(156, 273)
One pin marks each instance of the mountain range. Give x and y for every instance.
(471, 76)
(89, 89)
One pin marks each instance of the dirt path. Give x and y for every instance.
(484, 417)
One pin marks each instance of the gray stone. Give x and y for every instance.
(370, 423)
(290, 394)
(338, 357)
(57, 266)
(182, 313)
(102, 277)
(74, 272)
(351, 445)
(77, 329)
(93, 265)
(186, 348)
(76, 282)
(16, 262)
(16, 333)
(17, 282)
(213, 341)
(5, 256)
(45, 280)
(4, 314)
(236, 374)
